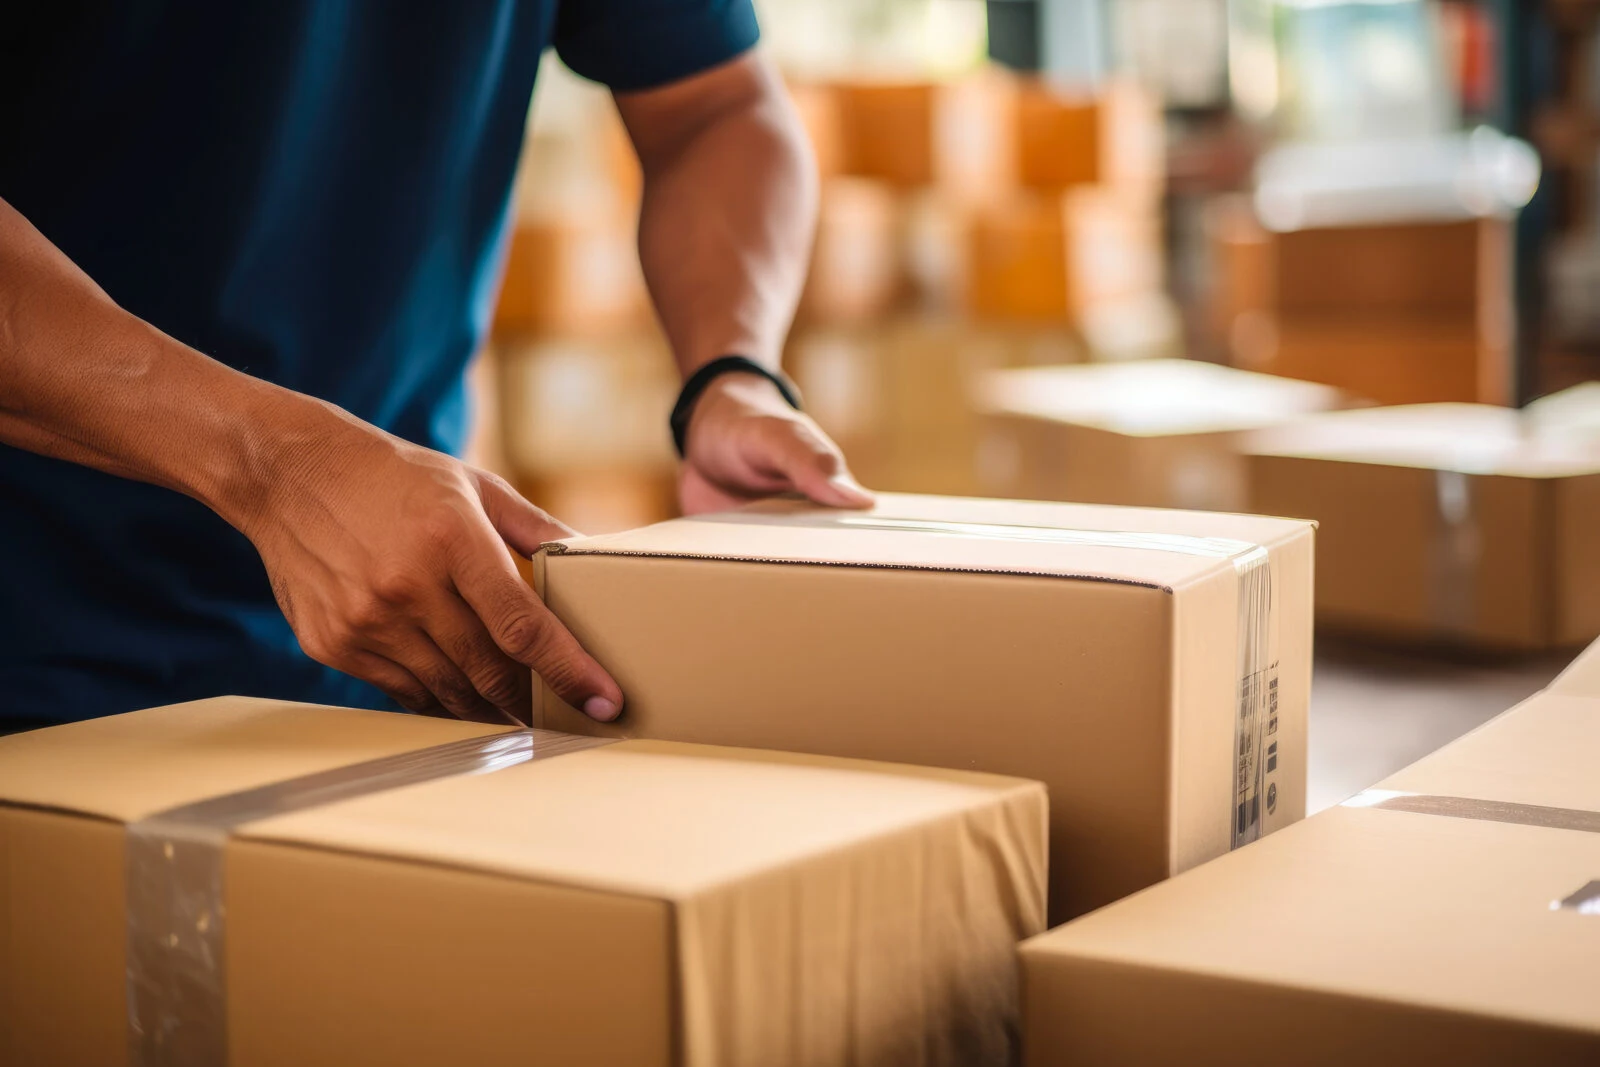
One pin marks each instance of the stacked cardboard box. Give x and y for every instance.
(1153, 433)
(1151, 667)
(366, 891)
(1400, 313)
(1450, 522)
(1447, 916)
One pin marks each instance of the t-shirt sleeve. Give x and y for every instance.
(640, 44)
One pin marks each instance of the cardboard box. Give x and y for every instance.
(574, 273)
(1104, 651)
(1390, 359)
(1153, 433)
(1435, 270)
(1112, 137)
(639, 903)
(1441, 522)
(1241, 267)
(956, 135)
(1045, 256)
(1441, 920)
(818, 108)
(855, 274)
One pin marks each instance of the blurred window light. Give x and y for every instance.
(888, 38)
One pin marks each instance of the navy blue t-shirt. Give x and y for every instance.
(314, 192)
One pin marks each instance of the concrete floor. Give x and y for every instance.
(1373, 711)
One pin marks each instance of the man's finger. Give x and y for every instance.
(520, 524)
(397, 683)
(526, 631)
(416, 652)
(814, 466)
(461, 636)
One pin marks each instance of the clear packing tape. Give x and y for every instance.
(176, 897)
(1256, 726)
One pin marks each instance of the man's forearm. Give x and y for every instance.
(83, 380)
(729, 209)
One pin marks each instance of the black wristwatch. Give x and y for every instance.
(690, 393)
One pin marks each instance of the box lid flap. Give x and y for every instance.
(1153, 397)
(1466, 438)
(655, 818)
(1157, 548)
(126, 767)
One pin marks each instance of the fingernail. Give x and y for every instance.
(600, 709)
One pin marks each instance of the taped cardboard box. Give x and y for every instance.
(637, 903)
(1448, 916)
(1442, 522)
(1150, 667)
(1152, 433)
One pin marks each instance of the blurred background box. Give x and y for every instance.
(1155, 433)
(1464, 524)
(576, 272)
(818, 107)
(897, 395)
(1051, 256)
(856, 270)
(1437, 269)
(1449, 930)
(1112, 136)
(957, 135)
(1391, 359)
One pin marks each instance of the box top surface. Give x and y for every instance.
(1149, 398)
(1545, 752)
(1143, 546)
(1582, 676)
(1466, 438)
(1391, 906)
(648, 818)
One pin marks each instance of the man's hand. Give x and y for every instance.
(745, 442)
(390, 562)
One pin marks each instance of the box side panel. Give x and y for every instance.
(891, 951)
(1577, 563)
(338, 959)
(1065, 682)
(61, 941)
(1079, 1011)
(1504, 565)
(1294, 582)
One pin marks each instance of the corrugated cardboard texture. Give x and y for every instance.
(958, 651)
(639, 903)
(1361, 935)
(1442, 522)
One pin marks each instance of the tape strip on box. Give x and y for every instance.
(176, 899)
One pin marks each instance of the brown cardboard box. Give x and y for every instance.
(1151, 433)
(577, 273)
(1099, 650)
(1390, 359)
(1113, 137)
(1438, 922)
(1427, 269)
(957, 135)
(640, 903)
(1046, 256)
(855, 273)
(1452, 522)
(1241, 270)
